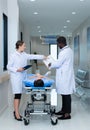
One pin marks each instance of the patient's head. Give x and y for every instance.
(38, 83)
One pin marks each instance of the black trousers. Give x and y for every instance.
(66, 103)
(17, 96)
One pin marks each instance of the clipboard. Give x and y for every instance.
(27, 67)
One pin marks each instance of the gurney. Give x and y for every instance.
(41, 101)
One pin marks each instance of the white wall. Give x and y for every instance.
(21, 28)
(13, 24)
(3, 86)
(82, 32)
(9, 8)
(37, 46)
(0, 36)
(26, 35)
(3, 9)
(26, 38)
(84, 58)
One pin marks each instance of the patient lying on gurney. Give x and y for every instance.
(38, 80)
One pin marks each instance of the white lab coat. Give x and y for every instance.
(16, 61)
(65, 82)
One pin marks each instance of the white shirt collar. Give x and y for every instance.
(64, 47)
(19, 53)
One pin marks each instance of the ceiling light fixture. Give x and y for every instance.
(39, 31)
(73, 13)
(35, 13)
(62, 31)
(32, 0)
(81, 0)
(65, 26)
(43, 42)
(68, 21)
(69, 35)
(38, 26)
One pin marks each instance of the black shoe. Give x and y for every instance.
(59, 113)
(18, 119)
(64, 117)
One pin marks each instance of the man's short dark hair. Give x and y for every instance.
(61, 39)
(38, 83)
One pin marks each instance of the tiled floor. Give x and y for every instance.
(80, 119)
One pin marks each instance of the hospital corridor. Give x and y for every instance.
(44, 64)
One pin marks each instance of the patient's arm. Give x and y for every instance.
(38, 76)
(31, 77)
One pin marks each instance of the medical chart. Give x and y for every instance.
(49, 59)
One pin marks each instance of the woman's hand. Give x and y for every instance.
(20, 70)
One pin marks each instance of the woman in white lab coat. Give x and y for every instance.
(15, 66)
(65, 82)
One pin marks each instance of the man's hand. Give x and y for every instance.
(45, 58)
(49, 64)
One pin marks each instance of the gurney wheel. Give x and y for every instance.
(54, 120)
(52, 111)
(26, 121)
